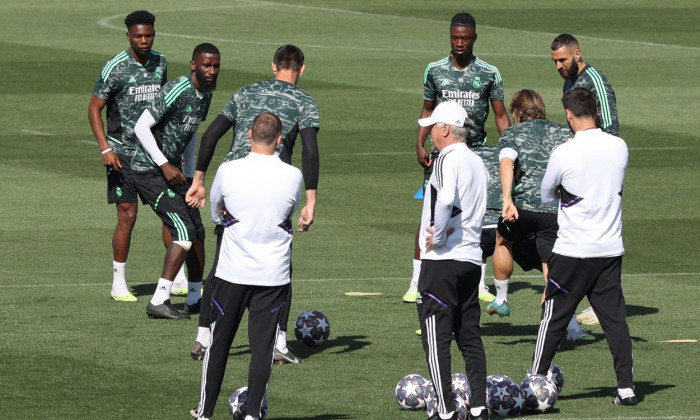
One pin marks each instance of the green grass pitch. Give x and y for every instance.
(69, 352)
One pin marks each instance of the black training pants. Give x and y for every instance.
(228, 303)
(569, 280)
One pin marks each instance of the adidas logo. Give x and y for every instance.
(189, 108)
(445, 82)
(132, 79)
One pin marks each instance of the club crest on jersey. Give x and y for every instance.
(476, 82)
(158, 74)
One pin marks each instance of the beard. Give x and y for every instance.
(206, 85)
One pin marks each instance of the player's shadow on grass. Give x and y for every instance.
(536, 285)
(145, 289)
(339, 345)
(641, 389)
(504, 329)
(636, 310)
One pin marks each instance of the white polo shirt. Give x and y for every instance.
(455, 198)
(261, 192)
(590, 168)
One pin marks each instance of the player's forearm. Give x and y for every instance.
(443, 213)
(214, 132)
(143, 133)
(422, 136)
(97, 125)
(311, 198)
(309, 158)
(506, 174)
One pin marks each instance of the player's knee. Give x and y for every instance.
(184, 244)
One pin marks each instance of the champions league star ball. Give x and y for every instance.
(460, 386)
(238, 405)
(431, 402)
(411, 392)
(540, 394)
(554, 373)
(312, 328)
(491, 380)
(505, 398)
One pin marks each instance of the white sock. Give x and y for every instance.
(501, 290)
(625, 392)
(446, 416)
(180, 280)
(204, 336)
(482, 280)
(416, 274)
(281, 343)
(249, 417)
(162, 292)
(194, 292)
(119, 278)
(573, 324)
(475, 411)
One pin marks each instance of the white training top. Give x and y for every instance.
(260, 193)
(455, 198)
(590, 168)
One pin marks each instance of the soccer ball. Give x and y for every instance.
(505, 398)
(460, 386)
(312, 328)
(238, 404)
(411, 392)
(491, 380)
(539, 392)
(554, 373)
(431, 403)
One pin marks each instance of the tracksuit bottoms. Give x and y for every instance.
(569, 280)
(448, 306)
(228, 304)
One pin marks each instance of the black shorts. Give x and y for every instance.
(120, 185)
(524, 250)
(543, 226)
(183, 221)
(488, 242)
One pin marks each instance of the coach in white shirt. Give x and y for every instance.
(254, 198)
(584, 178)
(450, 236)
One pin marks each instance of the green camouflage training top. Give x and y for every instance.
(296, 109)
(128, 87)
(594, 79)
(178, 108)
(473, 88)
(494, 203)
(533, 141)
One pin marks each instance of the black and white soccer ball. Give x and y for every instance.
(411, 392)
(540, 394)
(554, 373)
(238, 405)
(431, 403)
(312, 328)
(505, 398)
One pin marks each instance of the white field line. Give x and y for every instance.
(35, 133)
(106, 23)
(344, 279)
